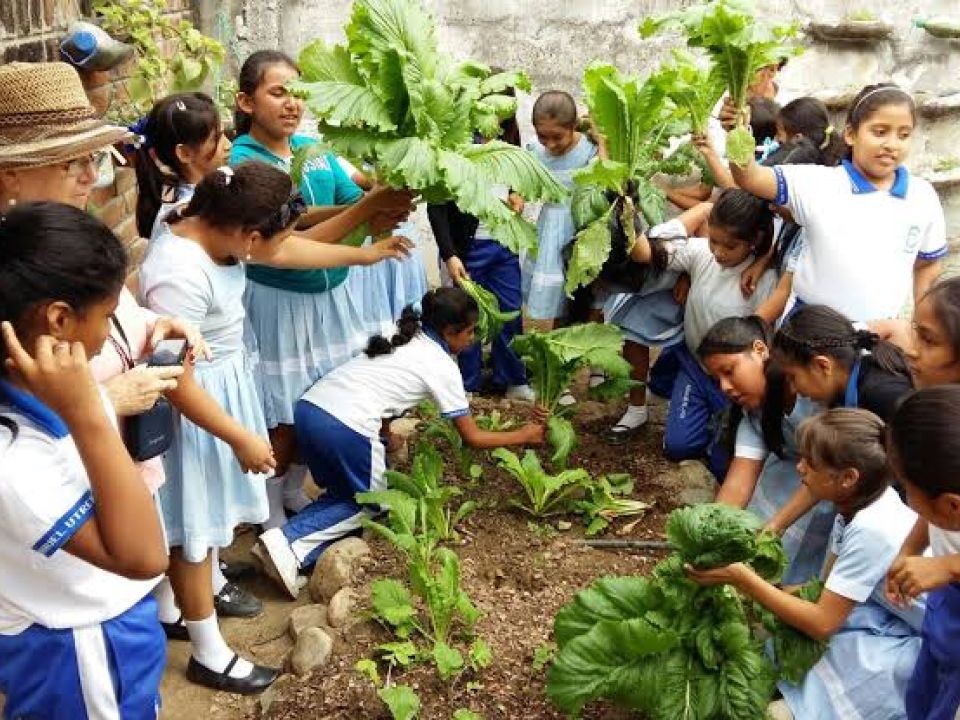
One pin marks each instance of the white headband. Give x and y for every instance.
(877, 90)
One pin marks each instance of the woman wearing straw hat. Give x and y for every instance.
(52, 143)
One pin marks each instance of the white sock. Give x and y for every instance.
(211, 650)
(167, 610)
(219, 579)
(295, 498)
(277, 518)
(635, 416)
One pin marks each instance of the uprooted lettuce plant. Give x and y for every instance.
(738, 45)
(389, 100)
(669, 647)
(604, 501)
(554, 358)
(491, 318)
(614, 198)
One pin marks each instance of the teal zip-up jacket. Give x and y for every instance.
(324, 183)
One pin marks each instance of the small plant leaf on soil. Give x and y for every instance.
(464, 714)
(544, 655)
(402, 702)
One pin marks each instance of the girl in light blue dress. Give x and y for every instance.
(872, 645)
(305, 323)
(215, 467)
(563, 150)
(763, 475)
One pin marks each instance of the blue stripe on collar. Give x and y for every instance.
(437, 339)
(27, 405)
(861, 185)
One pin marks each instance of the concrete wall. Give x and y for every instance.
(554, 41)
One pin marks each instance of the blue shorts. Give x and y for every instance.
(98, 672)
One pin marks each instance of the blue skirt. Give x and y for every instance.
(206, 494)
(110, 670)
(301, 337)
(652, 319)
(544, 276)
(864, 672)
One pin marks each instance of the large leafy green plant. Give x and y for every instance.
(554, 358)
(546, 494)
(389, 99)
(667, 646)
(637, 117)
(738, 45)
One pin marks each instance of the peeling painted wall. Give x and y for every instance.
(554, 41)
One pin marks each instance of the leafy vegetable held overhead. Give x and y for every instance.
(491, 320)
(738, 46)
(693, 88)
(637, 118)
(667, 646)
(389, 99)
(553, 359)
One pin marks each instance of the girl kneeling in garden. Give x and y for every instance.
(339, 421)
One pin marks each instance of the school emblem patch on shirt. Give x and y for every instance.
(913, 239)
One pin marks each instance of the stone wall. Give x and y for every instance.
(554, 41)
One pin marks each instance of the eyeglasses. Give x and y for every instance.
(91, 162)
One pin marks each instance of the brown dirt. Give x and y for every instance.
(518, 574)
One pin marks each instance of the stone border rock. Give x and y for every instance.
(851, 31)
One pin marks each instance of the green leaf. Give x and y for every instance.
(412, 163)
(543, 655)
(480, 654)
(562, 438)
(713, 534)
(591, 249)
(402, 654)
(491, 320)
(368, 668)
(587, 204)
(741, 146)
(506, 164)
(464, 714)
(401, 701)
(611, 657)
(605, 174)
(609, 598)
(392, 602)
(449, 661)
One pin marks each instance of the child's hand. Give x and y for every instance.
(533, 433)
(166, 328)
(383, 199)
(681, 289)
(382, 222)
(750, 276)
(540, 414)
(729, 575)
(395, 246)
(516, 202)
(254, 454)
(456, 270)
(729, 116)
(58, 375)
(703, 143)
(910, 576)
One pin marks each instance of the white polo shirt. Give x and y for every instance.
(364, 390)
(861, 243)
(45, 498)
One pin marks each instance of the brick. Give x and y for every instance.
(36, 15)
(49, 12)
(113, 212)
(129, 197)
(32, 51)
(8, 17)
(126, 179)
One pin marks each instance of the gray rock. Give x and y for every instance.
(312, 651)
(338, 567)
(307, 616)
(341, 608)
(698, 485)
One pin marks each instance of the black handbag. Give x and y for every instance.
(150, 433)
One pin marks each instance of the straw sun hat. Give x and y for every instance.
(46, 118)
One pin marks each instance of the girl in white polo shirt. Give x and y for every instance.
(339, 422)
(869, 226)
(81, 543)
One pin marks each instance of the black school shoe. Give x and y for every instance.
(238, 570)
(234, 601)
(259, 679)
(176, 630)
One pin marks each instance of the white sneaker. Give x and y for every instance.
(567, 399)
(278, 560)
(520, 392)
(597, 378)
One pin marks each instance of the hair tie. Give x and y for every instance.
(227, 173)
(826, 137)
(865, 340)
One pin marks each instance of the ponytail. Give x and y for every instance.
(820, 330)
(407, 327)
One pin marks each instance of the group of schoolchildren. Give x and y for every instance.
(771, 298)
